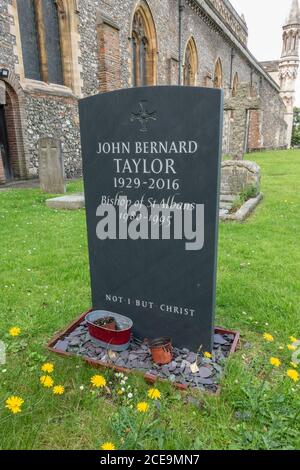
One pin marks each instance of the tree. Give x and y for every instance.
(296, 128)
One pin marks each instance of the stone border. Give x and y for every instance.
(244, 211)
(151, 379)
(67, 202)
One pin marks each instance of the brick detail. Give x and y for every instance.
(109, 57)
(255, 138)
(14, 135)
(15, 122)
(2, 175)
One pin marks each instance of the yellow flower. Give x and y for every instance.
(98, 381)
(58, 390)
(293, 374)
(291, 347)
(142, 407)
(108, 446)
(274, 361)
(269, 338)
(294, 365)
(15, 331)
(14, 404)
(154, 394)
(47, 367)
(120, 392)
(293, 339)
(46, 381)
(207, 355)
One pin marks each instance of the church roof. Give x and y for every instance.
(294, 16)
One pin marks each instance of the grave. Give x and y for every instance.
(51, 166)
(238, 175)
(151, 174)
(240, 180)
(151, 177)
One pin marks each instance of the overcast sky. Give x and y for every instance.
(265, 19)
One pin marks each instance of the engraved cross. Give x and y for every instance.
(143, 116)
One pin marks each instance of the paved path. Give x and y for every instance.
(20, 184)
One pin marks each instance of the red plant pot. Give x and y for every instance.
(116, 340)
(161, 350)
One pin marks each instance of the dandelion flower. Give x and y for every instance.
(274, 361)
(120, 392)
(291, 347)
(15, 331)
(47, 367)
(267, 337)
(142, 407)
(58, 390)
(108, 446)
(154, 394)
(293, 339)
(46, 381)
(14, 404)
(208, 355)
(293, 374)
(98, 381)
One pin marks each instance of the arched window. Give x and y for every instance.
(144, 47)
(50, 23)
(218, 79)
(40, 37)
(29, 38)
(190, 63)
(235, 84)
(285, 43)
(45, 29)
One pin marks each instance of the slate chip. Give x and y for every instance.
(62, 345)
(205, 372)
(218, 339)
(191, 357)
(138, 357)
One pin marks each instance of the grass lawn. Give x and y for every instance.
(44, 284)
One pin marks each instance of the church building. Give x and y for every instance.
(54, 52)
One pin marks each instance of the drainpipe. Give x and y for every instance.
(251, 77)
(181, 8)
(231, 67)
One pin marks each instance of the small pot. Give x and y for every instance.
(161, 350)
(117, 339)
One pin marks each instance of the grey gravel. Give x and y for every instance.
(138, 357)
(62, 345)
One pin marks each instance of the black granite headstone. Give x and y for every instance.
(151, 161)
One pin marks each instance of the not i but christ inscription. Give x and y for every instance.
(151, 163)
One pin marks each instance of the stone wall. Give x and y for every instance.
(274, 127)
(104, 64)
(60, 121)
(7, 40)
